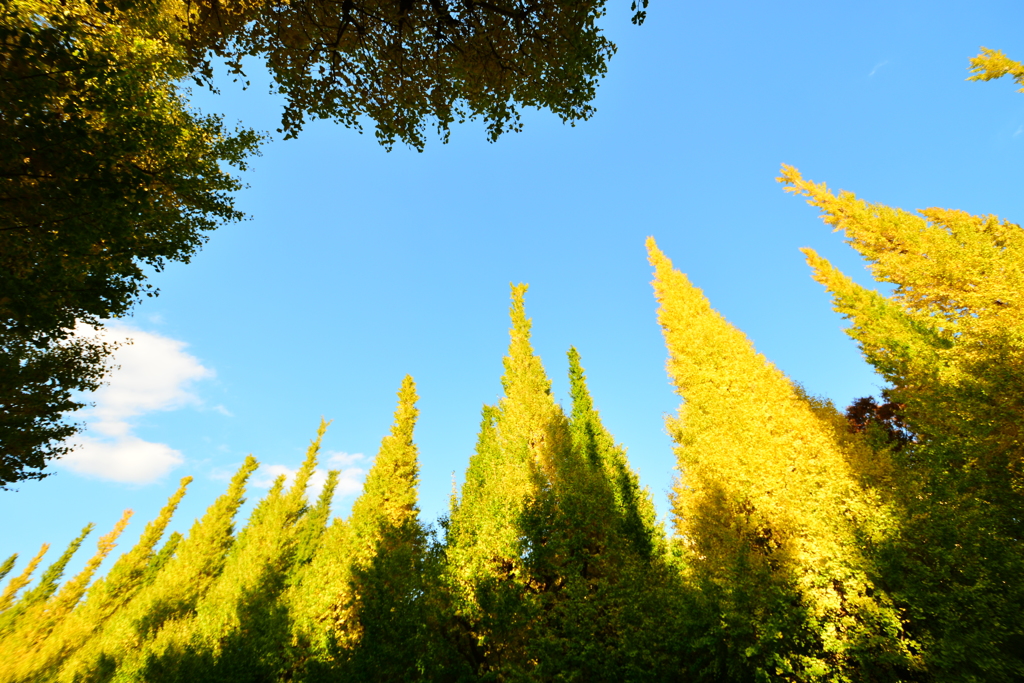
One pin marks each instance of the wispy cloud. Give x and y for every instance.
(155, 374)
(1019, 131)
(877, 67)
(352, 469)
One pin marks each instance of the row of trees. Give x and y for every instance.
(884, 545)
(105, 171)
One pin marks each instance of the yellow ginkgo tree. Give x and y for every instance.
(950, 342)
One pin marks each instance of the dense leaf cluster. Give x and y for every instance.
(807, 546)
(106, 172)
(881, 546)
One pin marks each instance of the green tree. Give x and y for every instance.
(104, 171)
(359, 606)
(606, 597)
(36, 386)
(409, 63)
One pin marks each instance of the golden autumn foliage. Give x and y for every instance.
(773, 493)
(357, 603)
(805, 545)
(992, 64)
(950, 341)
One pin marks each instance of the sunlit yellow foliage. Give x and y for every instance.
(55, 638)
(950, 341)
(21, 580)
(235, 616)
(951, 336)
(175, 591)
(520, 443)
(518, 449)
(520, 452)
(8, 565)
(19, 648)
(773, 496)
(992, 64)
(369, 562)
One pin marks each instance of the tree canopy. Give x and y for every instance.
(106, 173)
(805, 545)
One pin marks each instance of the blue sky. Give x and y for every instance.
(359, 266)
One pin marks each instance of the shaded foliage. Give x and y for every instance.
(867, 415)
(105, 171)
(882, 545)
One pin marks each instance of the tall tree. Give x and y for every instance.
(54, 639)
(950, 340)
(522, 446)
(555, 563)
(238, 623)
(606, 598)
(775, 500)
(173, 592)
(359, 606)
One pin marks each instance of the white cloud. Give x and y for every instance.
(352, 470)
(126, 459)
(877, 67)
(155, 373)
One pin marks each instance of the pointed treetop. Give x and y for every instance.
(530, 421)
(126, 574)
(72, 591)
(881, 326)
(708, 357)
(582, 417)
(389, 492)
(21, 580)
(946, 264)
(948, 338)
(593, 443)
(298, 488)
(202, 551)
(315, 521)
(482, 465)
(50, 579)
(8, 565)
(582, 403)
(523, 370)
(747, 435)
